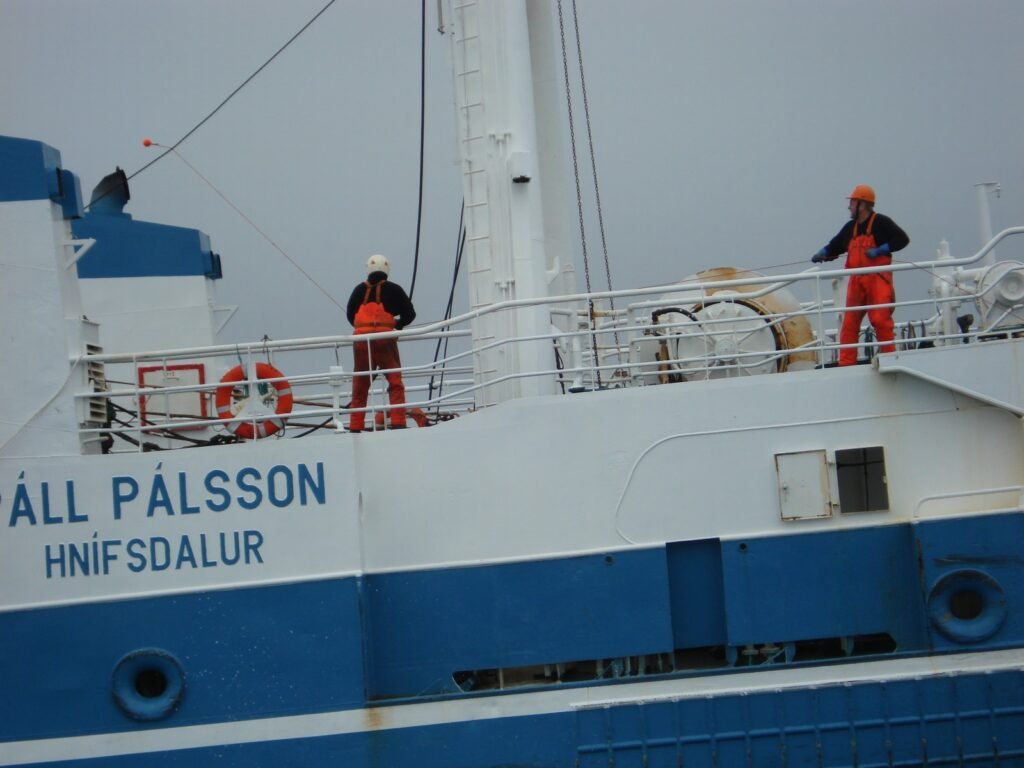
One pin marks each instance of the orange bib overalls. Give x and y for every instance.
(374, 355)
(866, 290)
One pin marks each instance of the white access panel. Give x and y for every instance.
(803, 485)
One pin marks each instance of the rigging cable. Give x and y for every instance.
(173, 148)
(579, 195)
(459, 250)
(231, 95)
(593, 160)
(593, 166)
(252, 224)
(423, 121)
(461, 240)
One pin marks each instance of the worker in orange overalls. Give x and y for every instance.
(377, 305)
(868, 239)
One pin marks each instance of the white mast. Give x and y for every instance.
(512, 180)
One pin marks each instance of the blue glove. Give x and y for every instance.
(820, 256)
(882, 250)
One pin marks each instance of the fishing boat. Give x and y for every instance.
(641, 527)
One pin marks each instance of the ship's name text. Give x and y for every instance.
(156, 497)
(99, 557)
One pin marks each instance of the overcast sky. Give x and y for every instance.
(727, 132)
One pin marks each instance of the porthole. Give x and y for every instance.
(967, 606)
(148, 684)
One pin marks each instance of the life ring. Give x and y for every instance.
(262, 427)
(967, 606)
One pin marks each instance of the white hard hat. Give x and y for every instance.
(377, 263)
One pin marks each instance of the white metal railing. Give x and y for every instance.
(612, 348)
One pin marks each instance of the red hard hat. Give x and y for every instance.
(863, 192)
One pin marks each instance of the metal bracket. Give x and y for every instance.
(83, 247)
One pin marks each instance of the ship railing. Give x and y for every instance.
(938, 328)
(599, 350)
(960, 503)
(152, 417)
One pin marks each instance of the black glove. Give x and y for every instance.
(820, 256)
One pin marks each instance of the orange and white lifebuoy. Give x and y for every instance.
(247, 430)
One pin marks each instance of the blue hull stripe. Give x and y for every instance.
(302, 660)
(957, 704)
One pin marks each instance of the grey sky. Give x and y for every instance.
(727, 132)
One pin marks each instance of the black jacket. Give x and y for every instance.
(392, 297)
(884, 229)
